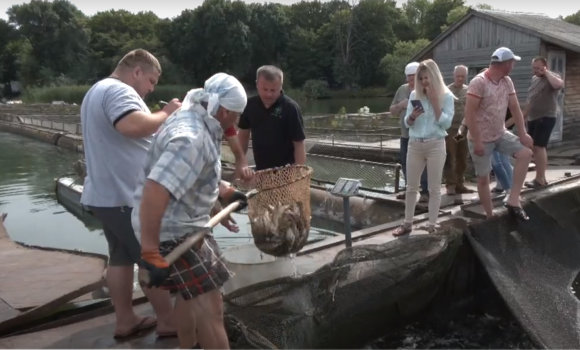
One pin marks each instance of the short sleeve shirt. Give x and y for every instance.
(185, 159)
(274, 130)
(403, 92)
(542, 98)
(113, 159)
(493, 106)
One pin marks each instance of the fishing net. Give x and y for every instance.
(346, 303)
(280, 186)
(534, 265)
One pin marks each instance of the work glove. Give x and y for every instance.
(234, 195)
(156, 265)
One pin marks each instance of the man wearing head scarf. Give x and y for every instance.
(174, 199)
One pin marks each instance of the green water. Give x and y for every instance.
(27, 193)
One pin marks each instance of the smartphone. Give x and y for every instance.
(417, 104)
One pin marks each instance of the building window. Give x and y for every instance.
(473, 71)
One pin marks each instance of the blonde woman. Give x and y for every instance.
(429, 113)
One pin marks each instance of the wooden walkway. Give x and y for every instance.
(37, 281)
(95, 333)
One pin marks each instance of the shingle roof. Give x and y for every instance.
(549, 29)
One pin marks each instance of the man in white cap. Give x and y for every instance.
(489, 95)
(175, 196)
(399, 107)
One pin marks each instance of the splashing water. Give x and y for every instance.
(292, 258)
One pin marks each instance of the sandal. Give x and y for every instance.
(403, 230)
(534, 184)
(145, 324)
(517, 212)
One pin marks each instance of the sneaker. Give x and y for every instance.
(424, 198)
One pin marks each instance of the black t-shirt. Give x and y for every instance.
(274, 130)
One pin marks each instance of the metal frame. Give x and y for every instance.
(352, 186)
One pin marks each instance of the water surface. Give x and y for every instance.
(28, 169)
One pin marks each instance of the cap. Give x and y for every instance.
(411, 68)
(504, 54)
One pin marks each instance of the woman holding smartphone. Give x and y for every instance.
(429, 114)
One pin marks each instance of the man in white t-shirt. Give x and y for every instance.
(117, 128)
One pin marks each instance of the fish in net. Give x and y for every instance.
(279, 212)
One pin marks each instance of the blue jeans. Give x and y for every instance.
(403, 155)
(502, 168)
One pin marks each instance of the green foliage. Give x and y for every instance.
(394, 64)
(315, 89)
(573, 18)
(457, 13)
(76, 93)
(335, 48)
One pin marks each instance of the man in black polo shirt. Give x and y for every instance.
(275, 123)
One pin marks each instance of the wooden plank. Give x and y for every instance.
(6, 311)
(41, 280)
(95, 333)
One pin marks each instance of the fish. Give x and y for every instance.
(279, 229)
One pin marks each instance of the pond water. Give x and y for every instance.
(28, 169)
(351, 105)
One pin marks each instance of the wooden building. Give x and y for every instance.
(471, 41)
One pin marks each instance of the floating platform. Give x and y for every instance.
(38, 281)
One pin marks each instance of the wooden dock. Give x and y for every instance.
(38, 281)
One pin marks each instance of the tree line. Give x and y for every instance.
(341, 44)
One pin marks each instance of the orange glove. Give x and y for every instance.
(157, 266)
(153, 257)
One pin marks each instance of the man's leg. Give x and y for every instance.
(461, 166)
(185, 319)
(124, 252)
(404, 146)
(482, 165)
(211, 331)
(451, 161)
(510, 144)
(500, 173)
(198, 276)
(543, 131)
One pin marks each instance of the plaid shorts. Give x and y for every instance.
(197, 271)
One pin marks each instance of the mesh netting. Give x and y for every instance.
(347, 302)
(281, 186)
(375, 176)
(533, 265)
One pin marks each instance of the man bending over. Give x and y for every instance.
(174, 199)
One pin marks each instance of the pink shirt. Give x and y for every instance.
(493, 107)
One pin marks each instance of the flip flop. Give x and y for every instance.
(534, 184)
(141, 326)
(162, 335)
